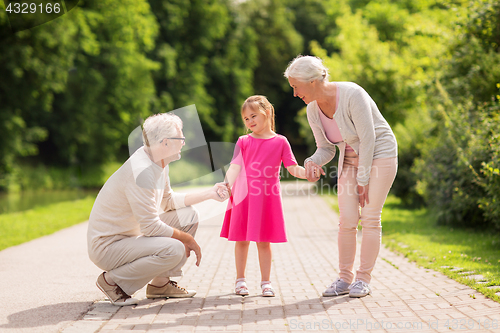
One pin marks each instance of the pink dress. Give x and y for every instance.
(254, 211)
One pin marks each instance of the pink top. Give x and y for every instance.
(332, 129)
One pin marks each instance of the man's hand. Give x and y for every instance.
(313, 171)
(363, 195)
(220, 192)
(189, 243)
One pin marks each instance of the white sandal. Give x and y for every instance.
(241, 287)
(267, 289)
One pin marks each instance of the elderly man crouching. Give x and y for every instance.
(140, 230)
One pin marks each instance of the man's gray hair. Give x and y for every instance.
(160, 126)
(306, 69)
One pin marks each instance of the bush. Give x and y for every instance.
(457, 173)
(409, 136)
(490, 169)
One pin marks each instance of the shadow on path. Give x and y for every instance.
(46, 315)
(209, 314)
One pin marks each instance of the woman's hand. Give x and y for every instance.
(313, 171)
(363, 195)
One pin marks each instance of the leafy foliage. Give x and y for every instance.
(73, 89)
(277, 44)
(109, 86)
(34, 69)
(459, 162)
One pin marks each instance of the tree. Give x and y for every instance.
(230, 70)
(277, 44)
(189, 32)
(72, 89)
(110, 85)
(459, 163)
(474, 70)
(34, 68)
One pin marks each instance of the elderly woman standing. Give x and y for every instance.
(343, 114)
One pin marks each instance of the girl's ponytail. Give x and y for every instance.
(272, 117)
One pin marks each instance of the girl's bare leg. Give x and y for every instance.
(265, 259)
(241, 255)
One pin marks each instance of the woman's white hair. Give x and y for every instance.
(160, 126)
(306, 69)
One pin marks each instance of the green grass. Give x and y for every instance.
(42, 177)
(20, 227)
(415, 234)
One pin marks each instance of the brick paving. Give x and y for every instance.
(405, 298)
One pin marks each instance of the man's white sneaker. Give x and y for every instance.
(359, 289)
(338, 287)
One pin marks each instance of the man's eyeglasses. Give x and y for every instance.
(183, 139)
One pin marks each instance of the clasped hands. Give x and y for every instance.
(314, 172)
(222, 191)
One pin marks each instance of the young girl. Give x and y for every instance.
(254, 210)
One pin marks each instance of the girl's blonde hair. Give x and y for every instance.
(260, 103)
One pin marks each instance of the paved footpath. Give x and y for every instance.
(405, 298)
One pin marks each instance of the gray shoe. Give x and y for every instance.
(114, 293)
(170, 289)
(359, 289)
(338, 287)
